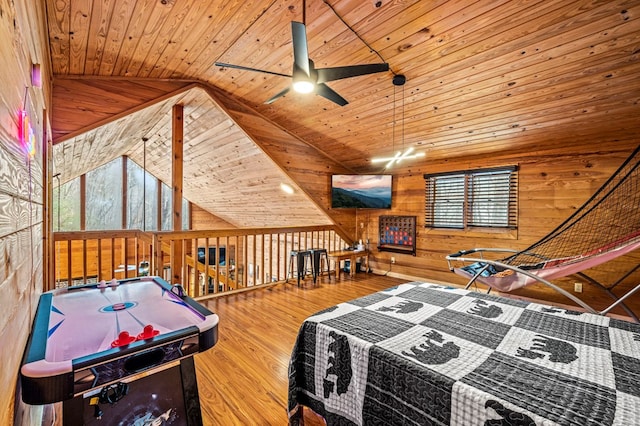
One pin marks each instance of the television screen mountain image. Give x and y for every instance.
(361, 191)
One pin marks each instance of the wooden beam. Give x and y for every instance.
(177, 144)
(125, 186)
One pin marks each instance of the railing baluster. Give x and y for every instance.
(99, 260)
(194, 276)
(84, 260)
(264, 252)
(69, 276)
(278, 258)
(125, 250)
(184, 275)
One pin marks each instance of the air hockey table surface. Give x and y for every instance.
(88, 336)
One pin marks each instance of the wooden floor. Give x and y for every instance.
(242, 380)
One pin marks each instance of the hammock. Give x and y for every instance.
(605, 227)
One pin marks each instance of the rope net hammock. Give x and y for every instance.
(605, 227)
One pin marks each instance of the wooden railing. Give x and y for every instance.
(236, 259)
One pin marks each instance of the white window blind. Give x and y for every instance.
(476, 198)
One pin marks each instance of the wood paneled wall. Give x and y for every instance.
(202, 220)
(21, 191)
(552, 185)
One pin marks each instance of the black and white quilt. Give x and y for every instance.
(423, 354)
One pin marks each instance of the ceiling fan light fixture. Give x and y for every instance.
(303, 86)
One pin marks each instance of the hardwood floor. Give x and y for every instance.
(242, 380)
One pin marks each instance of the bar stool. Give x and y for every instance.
(317, 256)
(301, 257)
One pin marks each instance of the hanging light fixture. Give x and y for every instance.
(398, 80)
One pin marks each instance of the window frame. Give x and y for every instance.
(68, 197)
(464, 200)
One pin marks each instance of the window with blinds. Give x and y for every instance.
(474, 198)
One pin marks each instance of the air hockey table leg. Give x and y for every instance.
(190, 391)
(73, 411)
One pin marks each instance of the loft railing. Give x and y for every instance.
(204, 262)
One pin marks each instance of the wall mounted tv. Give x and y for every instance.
(361, 191)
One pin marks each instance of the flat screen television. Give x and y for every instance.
(361, 191)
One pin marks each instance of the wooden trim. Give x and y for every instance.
(97, 235)
(48, 276)
(241, 231)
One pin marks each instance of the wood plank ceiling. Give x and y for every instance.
(482, 78)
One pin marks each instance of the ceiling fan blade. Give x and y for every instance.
(337, 73)
(300, 51)
(277, 96)
(327, 92)
(240, 67)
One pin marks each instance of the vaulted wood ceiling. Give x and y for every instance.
(483, 77)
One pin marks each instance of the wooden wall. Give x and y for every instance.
(21, 192)
(552, 185)
(203, 220)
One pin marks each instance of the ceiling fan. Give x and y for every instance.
(305, 77)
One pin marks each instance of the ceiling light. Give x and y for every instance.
(286, 188)
(303, 86)
(398, 157)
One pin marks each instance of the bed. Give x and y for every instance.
(425, 354)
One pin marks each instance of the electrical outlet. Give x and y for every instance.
(577, 287)
(393, 260)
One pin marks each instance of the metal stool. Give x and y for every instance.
(301, 268)
(317, 256)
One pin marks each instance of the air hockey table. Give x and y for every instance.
(118, 352)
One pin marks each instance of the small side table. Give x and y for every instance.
(350, 255)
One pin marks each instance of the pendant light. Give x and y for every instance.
(398, 80)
